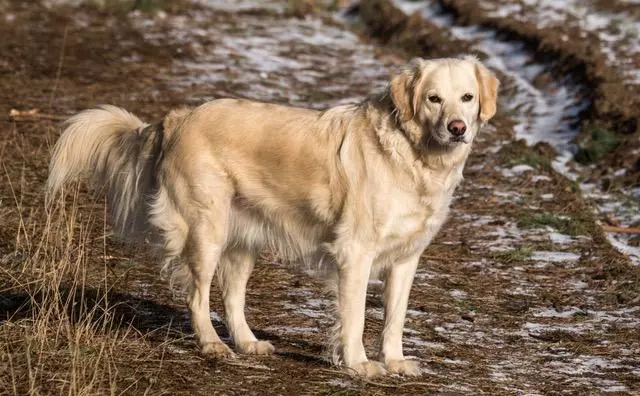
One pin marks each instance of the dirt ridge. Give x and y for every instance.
(615, 105)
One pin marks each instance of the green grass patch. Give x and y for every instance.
(534, 160)
(596, 145)
(580, 315)
(520, 253)
(148, 5)
(564, 224)
(124, 6)
(467, 306)
(541, 220)
(518, 153)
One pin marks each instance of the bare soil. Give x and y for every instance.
(520, 293)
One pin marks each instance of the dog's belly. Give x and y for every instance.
(289, 239)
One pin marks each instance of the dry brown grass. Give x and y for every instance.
(63, 338)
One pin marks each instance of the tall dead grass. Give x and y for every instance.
(61, 337)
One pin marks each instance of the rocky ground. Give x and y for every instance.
(521, 293)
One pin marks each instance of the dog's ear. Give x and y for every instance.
(488, 84)
(402, 89)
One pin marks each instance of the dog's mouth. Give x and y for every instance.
(446, 139)
(458, 139)
(438, 136)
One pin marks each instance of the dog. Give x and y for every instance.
(360, 188)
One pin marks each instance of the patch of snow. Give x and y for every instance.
(578, 284)
(554, 257)
(546, 197)
(508, 235)
(560, 239)
(377, 313)
(633, 252)
(517, 170)
(538, 178)
(310, 313)
(552, 313)
(416, 342)
(340, 383)
(279, 61)
(215, 317)
(506, 194)
(292, 329)
(243, 5)
(455, 361)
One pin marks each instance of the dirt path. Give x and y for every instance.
(598, 40)
(520, 294)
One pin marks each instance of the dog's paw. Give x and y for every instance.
(216, 350)
(368, 369)
(404, 367)
(256, 348)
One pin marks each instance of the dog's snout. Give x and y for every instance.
(457, 127)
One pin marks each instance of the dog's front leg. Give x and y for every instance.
(396, 297)
(353, 277)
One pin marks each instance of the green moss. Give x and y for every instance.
(580, 315)
(119, 6)
(596, 145)
(533, 160)
(541, 220)
(520, 253)
(148, 5)
(518, 153)
(564, 224)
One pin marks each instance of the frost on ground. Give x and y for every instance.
(268, 57)
(618, 32)
(452, 325)
(548, 112)
(505, 301)
(547, 109)
(619, 209)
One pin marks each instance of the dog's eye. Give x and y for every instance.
(467, 97)
(435, 99)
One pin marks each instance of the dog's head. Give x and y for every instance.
(443, 102)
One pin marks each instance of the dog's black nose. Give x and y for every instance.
(457, 128)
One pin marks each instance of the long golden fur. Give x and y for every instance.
(361, 189)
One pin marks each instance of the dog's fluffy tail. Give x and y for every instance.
(114, 150)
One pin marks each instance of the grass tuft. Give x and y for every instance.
(124, 6)
(520, 253)
(58, 336)
(567, 225)
(598, 143)
(534, 160)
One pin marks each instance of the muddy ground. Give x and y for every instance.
(521, 293)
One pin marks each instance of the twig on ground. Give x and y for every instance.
(33, 115)
(621, 230)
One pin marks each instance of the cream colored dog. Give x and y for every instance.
(360, 188)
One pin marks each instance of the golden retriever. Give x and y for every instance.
(360, 188)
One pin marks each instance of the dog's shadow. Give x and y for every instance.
(296, 349)
(157, 322)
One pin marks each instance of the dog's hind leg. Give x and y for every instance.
(235, 268)
(204, 247)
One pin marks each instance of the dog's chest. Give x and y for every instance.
(412, 218)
